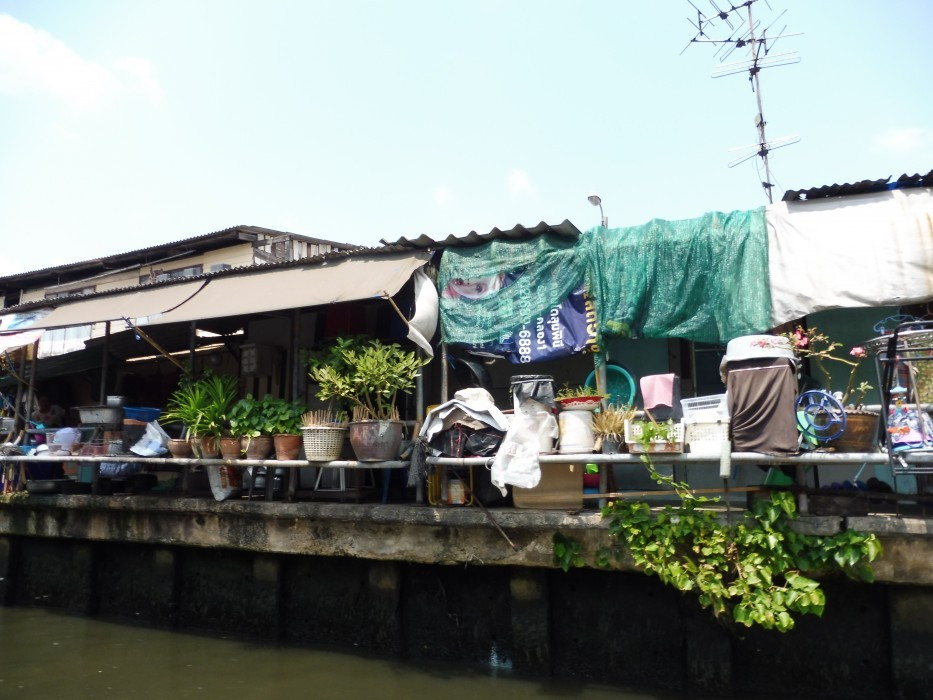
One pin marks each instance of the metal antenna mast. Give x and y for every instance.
(742, 34)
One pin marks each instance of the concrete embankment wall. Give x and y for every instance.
(443, 584)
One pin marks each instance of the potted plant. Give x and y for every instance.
(251, 419)
(201, 406)
(369, 377)
(579, 398)
(652, 436)
(861, 431)
(609, 426)
(285, 426)
(323, 432)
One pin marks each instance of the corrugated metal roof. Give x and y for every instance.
(323, 259)
(861, 187)
(403, 245)
(518, 232)
(195, 244)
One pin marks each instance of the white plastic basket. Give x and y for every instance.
(323, 444)
(633, 433)
(704, 409)
(707, 438)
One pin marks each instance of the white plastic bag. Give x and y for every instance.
(152, 443)
(516, 463)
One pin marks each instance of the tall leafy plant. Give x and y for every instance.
(202, 403)
(368, 377)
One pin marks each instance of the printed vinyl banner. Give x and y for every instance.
(568, 328)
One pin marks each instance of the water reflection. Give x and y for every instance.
(46, 654)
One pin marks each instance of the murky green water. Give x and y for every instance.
(49, 655)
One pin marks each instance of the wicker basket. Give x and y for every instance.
(323, 444)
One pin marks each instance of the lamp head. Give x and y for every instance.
(594, 199)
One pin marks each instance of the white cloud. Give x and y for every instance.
(901, 140)
(141, 78)
(442, 196)
(32, 60)
(520, 183)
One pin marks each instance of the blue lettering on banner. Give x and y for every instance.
(568, 328)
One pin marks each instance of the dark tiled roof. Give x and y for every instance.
(861, 187)
(516, 233)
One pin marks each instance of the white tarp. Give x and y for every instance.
(862, 250)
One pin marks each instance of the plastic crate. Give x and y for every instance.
(707, 438)
(704, 409)
(633, 433)
(147, 415)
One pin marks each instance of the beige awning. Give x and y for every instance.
(251, 292)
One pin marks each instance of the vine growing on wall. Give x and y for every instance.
(750, 572)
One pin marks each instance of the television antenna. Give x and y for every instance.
(742, 30)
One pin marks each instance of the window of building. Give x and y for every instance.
(70, 292)
(163, 275)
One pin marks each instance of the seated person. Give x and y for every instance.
(47, 413)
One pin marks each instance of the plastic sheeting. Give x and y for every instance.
(491, 289)
(839, 252)
(702, 279)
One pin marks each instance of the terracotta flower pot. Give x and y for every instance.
(210, 447)
(287, 446)
(230, 447)
(259, 447)
(179, 447)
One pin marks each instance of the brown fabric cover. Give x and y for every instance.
(761, 406)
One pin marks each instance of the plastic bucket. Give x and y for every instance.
(576, 432)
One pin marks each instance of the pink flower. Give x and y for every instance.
(800, 338)
(858, 351)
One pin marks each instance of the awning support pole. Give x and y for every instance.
(192, 347)
(31, 392)
(162, 351)
(105, 364)
(444, 386)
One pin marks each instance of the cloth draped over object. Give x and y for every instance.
(761, 395)
(423, 323)
(702, 279)
(863, 250)
(489, 290)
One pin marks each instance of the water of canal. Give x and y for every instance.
(50, 655)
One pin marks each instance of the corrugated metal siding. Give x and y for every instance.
(518, 232)
(861, 187)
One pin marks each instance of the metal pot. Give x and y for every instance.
(111, 415)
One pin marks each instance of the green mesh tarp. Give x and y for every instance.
(703, 279)
(491, 289)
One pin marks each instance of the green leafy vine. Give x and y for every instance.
(750, 572)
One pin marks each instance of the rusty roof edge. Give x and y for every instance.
(314, 261)
(218, 235)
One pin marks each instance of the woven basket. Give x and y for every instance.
(323, 444)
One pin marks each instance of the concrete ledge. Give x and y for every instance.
(403, 533)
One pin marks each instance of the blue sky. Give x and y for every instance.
(128, 124)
